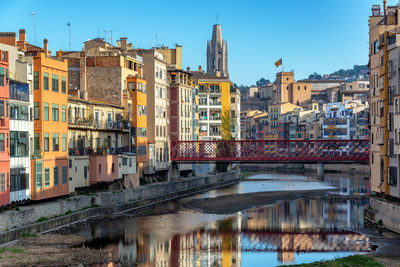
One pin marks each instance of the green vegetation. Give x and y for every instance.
(246, 174)
(351, 261)
(68, 212)
(41, 219)
(25, 235)
(380, 223)
(12, 250)
(16, 208)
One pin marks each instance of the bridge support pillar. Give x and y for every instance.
(174, 172)
(320, 170)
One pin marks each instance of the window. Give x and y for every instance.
(2, 108)
(63, 113)
(19, 112)
(36, 80)
(54, 83)
(141, 150)
(46, 142)
(38, 174)
(376, 47)
(18, 179)
(56, 176)
(112, 167)
(64, 175)
(3, 182)
(141, 132)
(131, 86)
(392, 173)
(64, 142)
(46, 111)
(19, 144)
(47, 177)
(36, 111)
(55, 142)
(36, 145)
(63, 85)
(99, 168)
(45, 81)
(2, 142)
(54, 113)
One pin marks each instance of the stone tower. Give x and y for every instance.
(217, 53)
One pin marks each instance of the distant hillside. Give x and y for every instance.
(358, 71)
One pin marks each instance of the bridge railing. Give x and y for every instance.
(272, 151)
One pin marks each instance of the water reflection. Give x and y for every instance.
(283, 233)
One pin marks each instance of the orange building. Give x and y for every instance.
(49, 176)
(4, 131)
(137, 88)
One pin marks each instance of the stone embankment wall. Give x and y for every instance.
(306, 168)
(384, 213)
(41, 217)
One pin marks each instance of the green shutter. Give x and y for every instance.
(2, 72)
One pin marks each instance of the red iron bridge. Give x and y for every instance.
(272, 151)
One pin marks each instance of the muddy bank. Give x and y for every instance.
(53, 250)
(235, 203)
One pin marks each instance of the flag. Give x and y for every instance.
(278, 63)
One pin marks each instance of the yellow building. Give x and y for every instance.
(275, 111)
(288, 90)
(214, 106)
(380, 23)
(50, 160)
(137, 88)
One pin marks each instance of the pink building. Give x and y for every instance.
(103, 168)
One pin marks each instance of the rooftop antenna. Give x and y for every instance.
(111, 32)
(69, 35)
(156, 40)
(105, 35)
(34, 24)
(217, 18)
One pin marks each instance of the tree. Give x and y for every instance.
(262, 82)
(315, 76)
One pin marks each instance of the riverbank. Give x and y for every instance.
(356, 260)
(39, 218)
(235, 203)
(305, 168)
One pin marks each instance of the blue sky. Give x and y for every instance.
(312, 35)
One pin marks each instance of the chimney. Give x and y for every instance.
(200, 70)
(384, 11)
(22, 35)
(82, 93)
(45, 47)
(188, 69)
(123, 41)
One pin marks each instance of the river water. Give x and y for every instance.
(286, 232)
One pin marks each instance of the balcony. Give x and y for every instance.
(87, 151)
(87, 123)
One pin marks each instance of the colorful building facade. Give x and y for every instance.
(4, 129)
(49, 164)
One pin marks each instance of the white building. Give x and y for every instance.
(21, 124)
(345, 120)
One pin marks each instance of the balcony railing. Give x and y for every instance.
(87, 151)
(92, 123)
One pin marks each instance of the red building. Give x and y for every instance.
(4, 131)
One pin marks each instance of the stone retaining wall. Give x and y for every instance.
(385, 211)
(14, 223)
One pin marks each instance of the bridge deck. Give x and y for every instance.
(282, 151)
